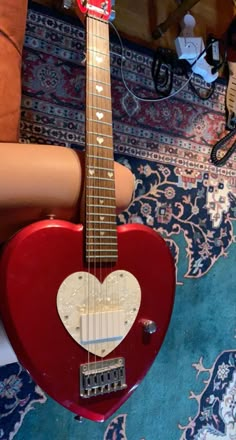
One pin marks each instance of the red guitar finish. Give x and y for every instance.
(33, 266)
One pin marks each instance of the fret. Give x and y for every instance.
(108, 253)
(99, 134)
(99, 157)
(94, 254)
(98, 67)
(98, 36)
(99, 221)
(100, 236)
(97, 197)
(99, 81)
(99, 108)
(101, 206)
(100, 146)
(100, 257)
(108, 179)
(101, 168)
(100, 96)
(101, 187)
(99, 229)
(108, 243)
(98, 51)
(101, 250)
(97, 121)
(99, 213)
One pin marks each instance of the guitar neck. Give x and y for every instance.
(101, 240)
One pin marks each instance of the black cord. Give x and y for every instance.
(218, 146)
(201, 96)
(165, 64)
(162, 73)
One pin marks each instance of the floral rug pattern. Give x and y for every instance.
(18, 394)
(172, 200)
(216, 418)
(167, 146)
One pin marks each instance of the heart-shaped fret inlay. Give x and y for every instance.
(99, 59)
(99, 115)
(110, 174)
(99, 323)
(100, 140)
(99, 89)
(102, 218)
(102, 233)
(91, 172)
(101, 201)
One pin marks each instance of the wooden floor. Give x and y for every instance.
(212, 16)
(136, 18)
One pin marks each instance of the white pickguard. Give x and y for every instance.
(99, 316)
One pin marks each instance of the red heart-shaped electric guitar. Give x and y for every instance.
(86, 308)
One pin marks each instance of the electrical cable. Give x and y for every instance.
(218, 146)
(167, 75)
(202, 97)
(162, 74)
(214, 70)
(126, 85)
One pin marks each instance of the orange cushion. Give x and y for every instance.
(12, 30)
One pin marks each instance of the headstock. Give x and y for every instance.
(97, 8)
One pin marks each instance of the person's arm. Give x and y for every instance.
(39, 181)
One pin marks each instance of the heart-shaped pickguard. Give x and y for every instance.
(97, 315)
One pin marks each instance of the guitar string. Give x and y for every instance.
(96, 195)
(97, 168)
(111, 290)
(104, 79)
(104, 192)
(103, 26)
(100, 195)
(88, 208)
(110, 300)
(96, 103)
(115, 287)
(96, 164)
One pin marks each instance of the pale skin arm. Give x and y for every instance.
(35, 180)
(39, 181)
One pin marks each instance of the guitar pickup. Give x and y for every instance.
(102, 327)
(103, 377)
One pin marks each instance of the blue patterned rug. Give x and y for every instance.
(179, 194)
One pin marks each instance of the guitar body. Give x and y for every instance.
(35, 265)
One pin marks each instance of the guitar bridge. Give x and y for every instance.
(103, 377)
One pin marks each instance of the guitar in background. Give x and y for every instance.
(86, 307)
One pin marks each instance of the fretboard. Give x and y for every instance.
(101, 237)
